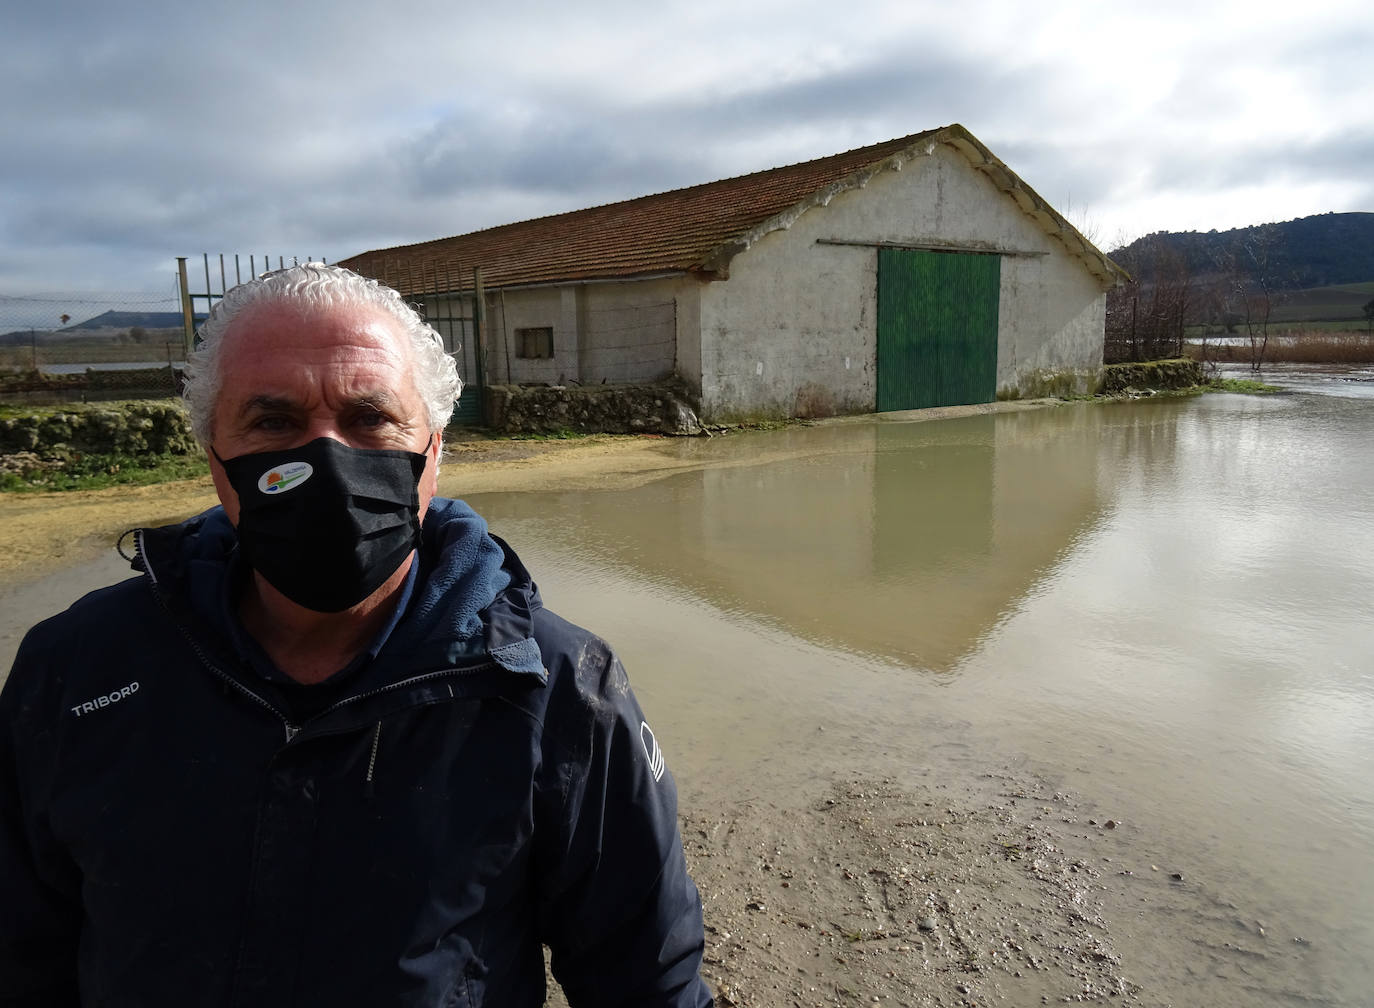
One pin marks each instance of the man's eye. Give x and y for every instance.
(371, 418)
(272, 423)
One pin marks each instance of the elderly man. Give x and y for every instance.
(330, 749)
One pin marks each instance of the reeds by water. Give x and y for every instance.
(1290, 347)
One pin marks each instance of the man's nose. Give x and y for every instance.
(324, 427)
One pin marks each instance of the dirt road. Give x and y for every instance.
(41, 531)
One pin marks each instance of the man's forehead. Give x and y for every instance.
(282, 355)
(288, 326)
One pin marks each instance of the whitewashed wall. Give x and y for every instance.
(615, 332)
(794, 329)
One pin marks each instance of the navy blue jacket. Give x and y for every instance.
(169, 835)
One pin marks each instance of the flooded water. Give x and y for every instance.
(1161, 606)
(1350, 381)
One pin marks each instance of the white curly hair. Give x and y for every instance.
(317, 285)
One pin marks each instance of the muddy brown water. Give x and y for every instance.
(1161, 607)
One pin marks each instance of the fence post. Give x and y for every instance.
(187, 316)
(479, 314)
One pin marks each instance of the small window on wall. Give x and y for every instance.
(534, 343)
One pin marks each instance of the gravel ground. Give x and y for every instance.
(879, 894)
(875, 892)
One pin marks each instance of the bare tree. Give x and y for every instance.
(1262, 290)
(1147, 315)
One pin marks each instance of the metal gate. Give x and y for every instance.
(434, 291)
(191, 309)
(937, 328)
(455, 317)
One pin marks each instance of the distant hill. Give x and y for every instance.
(129, 319)
(108, 326)
(1327, 250)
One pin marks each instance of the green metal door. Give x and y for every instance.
(937, 328)
(446, 314)
(468, 412)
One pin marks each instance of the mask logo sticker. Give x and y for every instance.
(283, 478)
(651, 750)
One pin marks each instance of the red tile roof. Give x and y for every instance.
(697, 229)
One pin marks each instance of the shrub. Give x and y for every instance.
(131, 430)
(1164, 374)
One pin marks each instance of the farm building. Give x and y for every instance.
(916, 272)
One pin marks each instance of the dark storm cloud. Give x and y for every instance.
(583, 151)
(1340, 159)
(1346, 153)
(616, 151)
(135, 135)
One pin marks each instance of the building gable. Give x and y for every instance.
(696, 230)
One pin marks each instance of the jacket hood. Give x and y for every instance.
(473, 599)
(474, 595)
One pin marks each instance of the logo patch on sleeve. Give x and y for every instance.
(657, 764)
(100, 702)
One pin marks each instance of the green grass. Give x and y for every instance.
(96, 472)
(1342, 302)
(1338, 308)
(1245, 385)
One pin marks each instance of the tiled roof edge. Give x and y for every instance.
(715, 263)
(1033, 205)
(718, 260)
(979, 157)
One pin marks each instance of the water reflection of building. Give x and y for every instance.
(909, 541)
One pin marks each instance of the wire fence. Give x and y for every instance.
(62, 345)
(66, 345)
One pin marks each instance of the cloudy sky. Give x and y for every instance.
(137, 133)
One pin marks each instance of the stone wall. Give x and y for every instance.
(131, 430)
(660, 408)
(1164, 374)
(167, 380)
(164, 380)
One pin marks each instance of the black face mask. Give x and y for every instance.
(324, 523)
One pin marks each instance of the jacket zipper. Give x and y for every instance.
(414, 680)
(368, 789)
(291, 730)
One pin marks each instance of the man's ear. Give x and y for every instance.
(228, 496)
(429, 482)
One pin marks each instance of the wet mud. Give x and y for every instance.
(996, 891)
